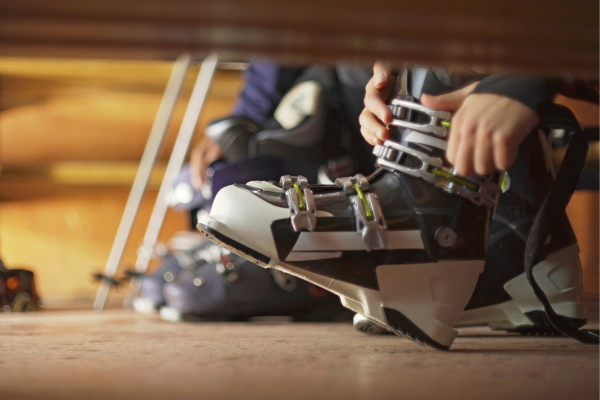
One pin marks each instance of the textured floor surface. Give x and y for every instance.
(119, 355)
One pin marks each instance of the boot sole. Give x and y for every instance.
(431, 296)
(144, 305)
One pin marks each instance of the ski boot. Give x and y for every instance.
(151, 297)
(403, 247)
(18, 292)
(221, 286)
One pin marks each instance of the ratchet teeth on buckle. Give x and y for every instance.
(439, 121)
(301, 202)
(481, 191)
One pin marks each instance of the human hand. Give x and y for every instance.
(377, 115)
(204, 153)
(486, 130)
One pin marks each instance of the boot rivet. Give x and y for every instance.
(446, 237)
(232, 276)
(198, 281)
(169, 276)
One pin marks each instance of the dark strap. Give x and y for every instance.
(552, 210)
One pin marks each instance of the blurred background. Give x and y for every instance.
(81, 83)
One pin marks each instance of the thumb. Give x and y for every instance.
(381, 74)
(449, 101)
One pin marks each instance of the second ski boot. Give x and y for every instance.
(219, 285)
(403, 247)
(18, 292)
(151, 297)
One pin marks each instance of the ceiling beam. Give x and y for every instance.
(542, 36)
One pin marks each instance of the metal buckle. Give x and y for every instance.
(487, 192)
(399, 108)
(372, 230)
(348, 183)
(301, 218)
(481, 191)
(389, 151)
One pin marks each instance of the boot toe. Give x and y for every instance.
(246, 219)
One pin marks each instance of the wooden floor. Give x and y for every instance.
(119, 354)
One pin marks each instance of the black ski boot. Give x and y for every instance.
(402, 247)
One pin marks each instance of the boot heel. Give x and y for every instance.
(424, 301)
(420, 301)
(560, 277)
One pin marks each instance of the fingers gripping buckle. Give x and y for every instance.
(301, 202)
(480, 190)
(370, 223)
(438, 120)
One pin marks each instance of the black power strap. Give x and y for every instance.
(552, 210)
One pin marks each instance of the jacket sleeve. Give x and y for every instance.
(538, 92)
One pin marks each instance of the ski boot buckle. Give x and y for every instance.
(390, 150)
(370, 223)
(303, 212)
(439, 121)
(481, 191)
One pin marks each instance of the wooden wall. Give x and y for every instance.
(71, 136)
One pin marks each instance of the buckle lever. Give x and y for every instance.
(481, 191)
(370, 223)
(438, 120)
(301, 202)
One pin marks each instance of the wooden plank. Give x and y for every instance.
(92, 114)
(66, 237)
(552, 36)
(583, 212)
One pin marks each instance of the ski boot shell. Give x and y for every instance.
(403, 247)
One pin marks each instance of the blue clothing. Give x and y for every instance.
(260, 95)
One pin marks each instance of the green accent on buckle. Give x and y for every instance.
(446, 124)
(300, 198)
(455, 179)
(364, 201)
